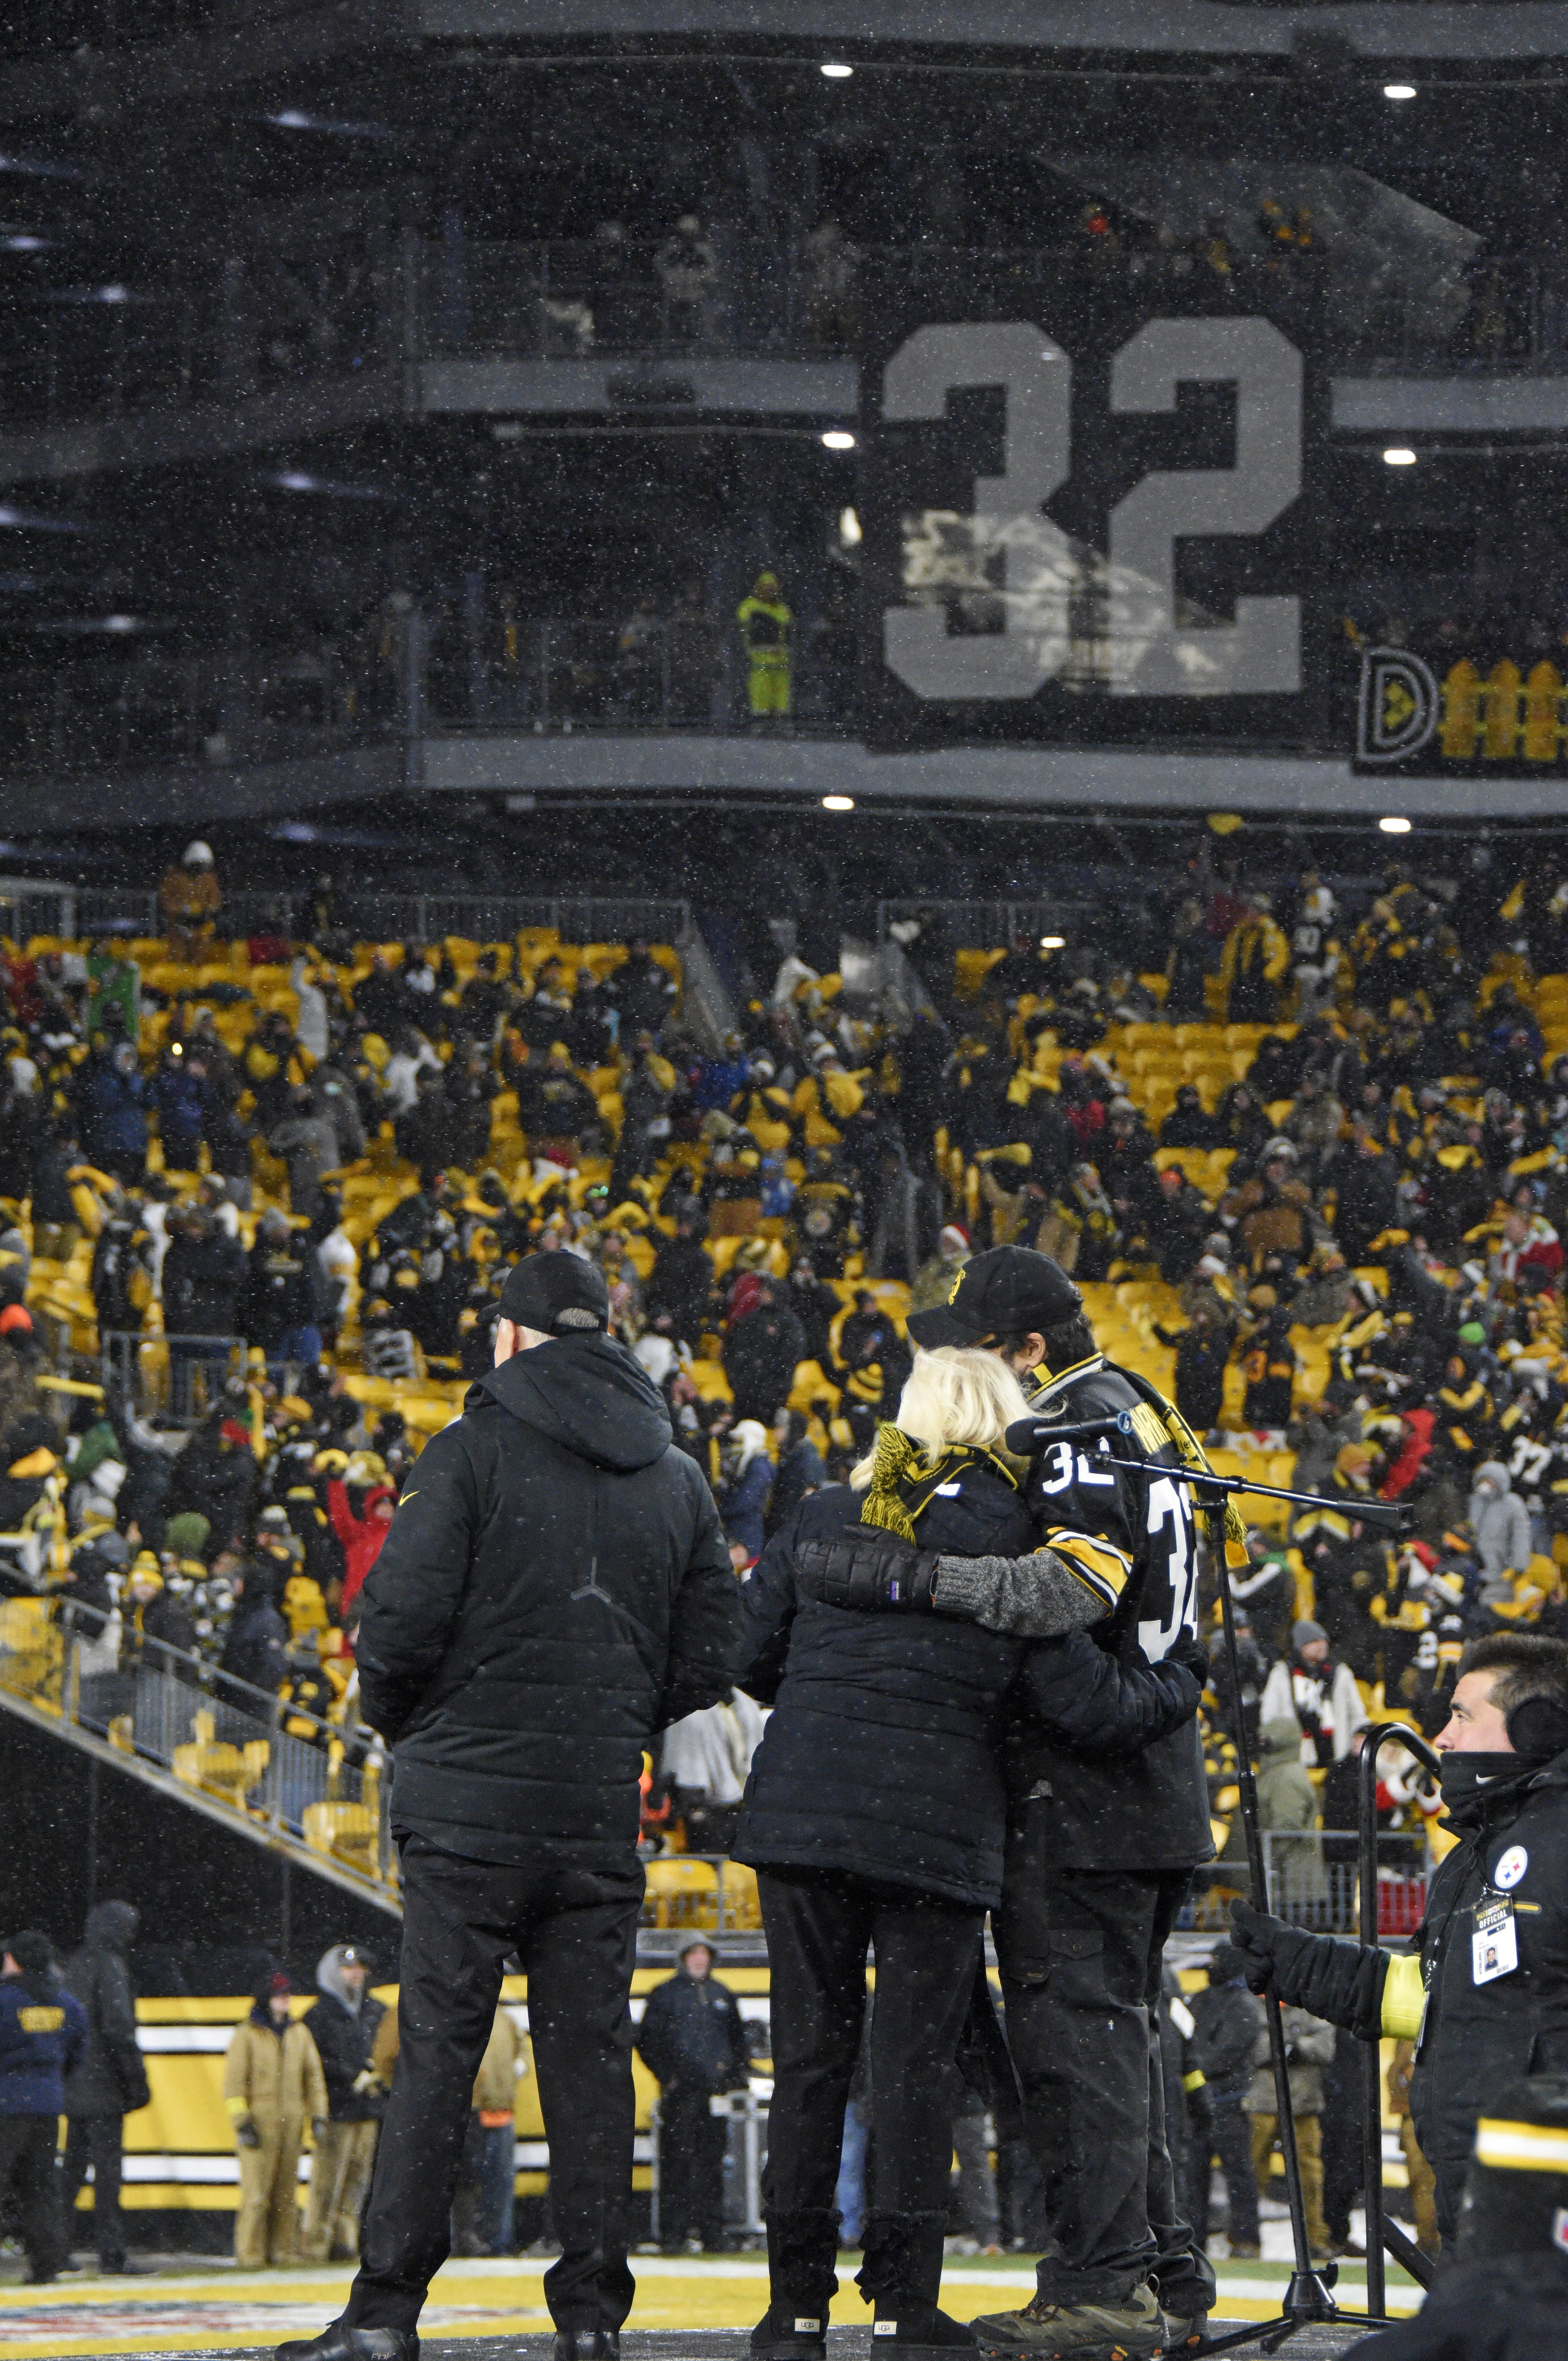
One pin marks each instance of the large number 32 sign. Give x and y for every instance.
(1260, 652)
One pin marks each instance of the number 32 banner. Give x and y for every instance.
(1086, 511)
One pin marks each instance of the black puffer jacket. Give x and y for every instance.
(555, 1588)
(884, 1752)
(109, 2079)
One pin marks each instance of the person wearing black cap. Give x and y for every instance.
(1483, 1988)
(43, 2034)
(343, 2022)
(693, 2038)
(555, 1589)
(1100, 1852)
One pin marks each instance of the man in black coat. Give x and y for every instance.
(762, 1353)
(342, 2023)
(108, 2081)
(256, 1648)
(681, 1281)
(554, 1589)
(693, 2040)
(1481, 2022)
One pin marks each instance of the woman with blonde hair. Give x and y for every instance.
(874, 1815)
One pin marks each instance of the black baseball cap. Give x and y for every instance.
(558, 1294)
(1006, 1291)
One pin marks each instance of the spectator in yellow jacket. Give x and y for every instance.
(273, 2086)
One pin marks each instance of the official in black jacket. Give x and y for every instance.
(876, 1812)
(108, 2081)
(553, 1591)
(691, 2037)
(1100, 1852)
(1483, 1988)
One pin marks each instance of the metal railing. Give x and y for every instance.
(83, 912)
(995, 925)
(1313, 1877)
(273, 1764)
(178, 1377)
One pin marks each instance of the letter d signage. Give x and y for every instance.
(1399, 707)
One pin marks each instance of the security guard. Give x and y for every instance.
(555, 1588)
(766, 624)
(1100, 1853)
(43, 2034)
(1483, 1989)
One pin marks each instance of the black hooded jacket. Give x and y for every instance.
(109, 2078)
(555, 1588)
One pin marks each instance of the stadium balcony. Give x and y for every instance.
(334, 324)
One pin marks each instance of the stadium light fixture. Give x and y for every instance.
(839, 438)
(1394, 826)
(835, 69)
(1398, 92)
(837, 803)
(849, 532)
(1053, 943)
(1400, 455)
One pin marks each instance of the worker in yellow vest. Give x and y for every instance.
(765, 624)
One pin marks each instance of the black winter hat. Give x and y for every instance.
(1227, 1964)
(32, 1951)
(557, 1295)
(1005, 1292)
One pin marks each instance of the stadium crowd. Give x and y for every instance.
(1313, 1177)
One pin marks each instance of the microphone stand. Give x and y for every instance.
(1308, 2301)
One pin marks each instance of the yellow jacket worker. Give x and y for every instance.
(273, 2086)
(766, 624)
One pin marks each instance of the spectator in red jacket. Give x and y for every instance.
(360, 1505)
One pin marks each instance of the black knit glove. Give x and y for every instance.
(869, 1570)
(1341, 1983)
(1190, 1651)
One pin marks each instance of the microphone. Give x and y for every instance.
(1027, 1435)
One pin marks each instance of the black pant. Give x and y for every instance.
(96, 2140)
(1230, 2141)
(1081, 1953)
(30, 2171)
(576, 1932)
(692, 2141)
(819, 1927)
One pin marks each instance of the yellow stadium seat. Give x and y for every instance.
(683, 1893)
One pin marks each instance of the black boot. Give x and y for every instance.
(902, 2275)
(587, 2344)
(802, 2250)
(340, 2343)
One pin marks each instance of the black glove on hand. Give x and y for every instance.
(1342, 1983)
(869, 1570)
(246, 2133)
(1190, 1651)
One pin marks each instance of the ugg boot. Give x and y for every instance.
(802, 2250)
(902, 2275)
